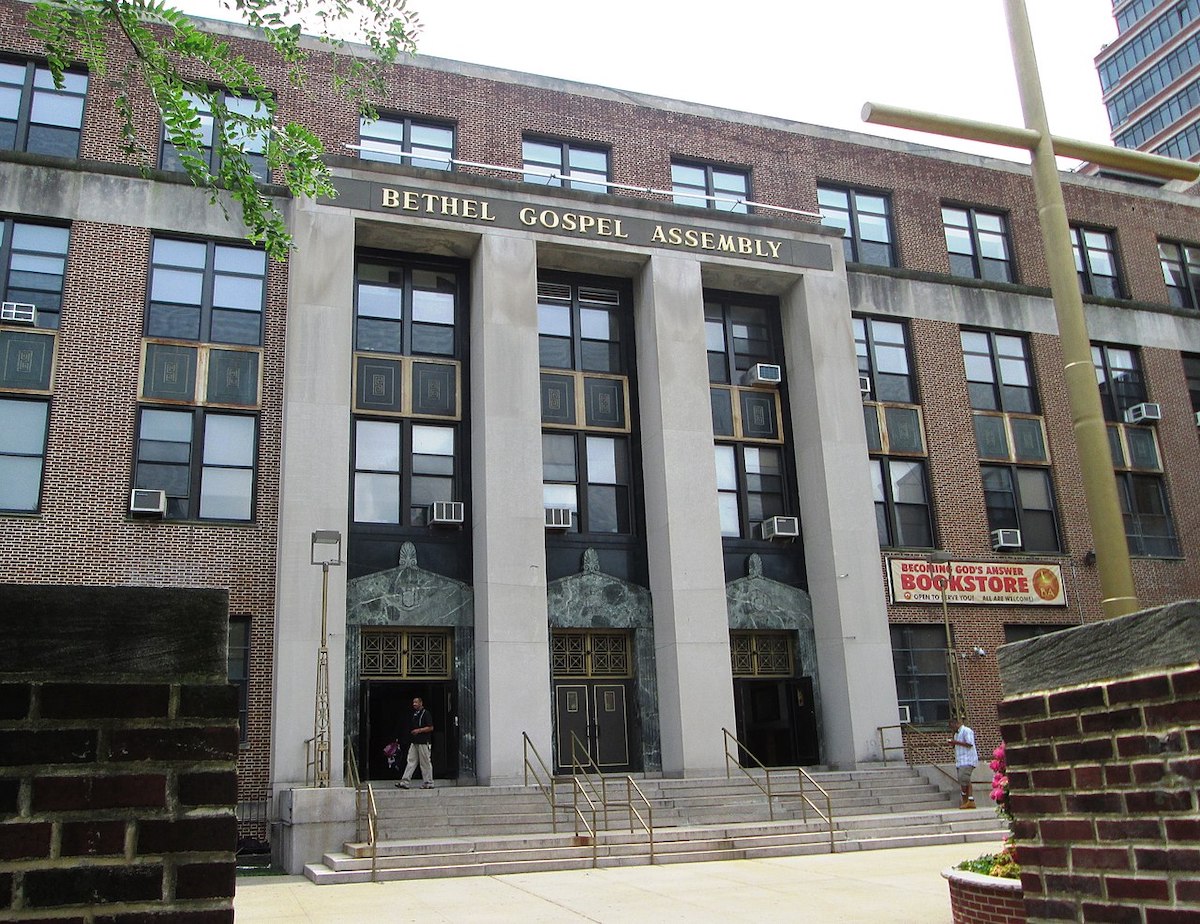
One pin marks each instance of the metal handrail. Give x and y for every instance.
(579, 768)
(372, 809)
(547, 789)
(648, 822)
(802, 776)
(915, 729)
(310, 762)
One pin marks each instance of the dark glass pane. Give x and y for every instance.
(558, 399)
(233, 377)
(54, 141)
(875, 253)
(558, 457)
(1029, 444)
(170, 478)
(913, 527)
(991, 439)
(554, 352)
(871, 422)
(983, 396)
(1143, 451)
(896, 388)
(962, 265)
(718, 370)
(603, 509)
(722, 411)
(433, 339)
(376, 336)
(177, 322)
(1037, 531)
(241, 327)
(904, 429)
(599, 356)
(170, 372)
(377, 384)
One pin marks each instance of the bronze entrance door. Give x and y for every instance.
(592, 691)
(398, 664)
(776, 716)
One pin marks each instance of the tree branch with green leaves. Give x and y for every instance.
(209, 94)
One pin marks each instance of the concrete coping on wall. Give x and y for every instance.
(992, 883)
(1150, 640)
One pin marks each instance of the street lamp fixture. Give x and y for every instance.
(958, 705)
(326, 552)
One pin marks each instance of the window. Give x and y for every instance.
(1021, 498)
(1148, 525)
(23, 429)
(753, 481)
(998, 372)
(35, 115)
(202, 290)
(202, 459)
(401, 469)
(977, 243)
(239, 670)
(585, 345)
(1119, 376)
(565, 164)
(1181, 271)
(866, 222)
(883, 359)
(33, 259)
(919, 660)
(1021, 633)
(406, 141)
(901, 503)
(407, 391)
(213, 113)
(705, 186)
(1096, 262)
(1191, 369)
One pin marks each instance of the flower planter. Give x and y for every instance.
(976, 899)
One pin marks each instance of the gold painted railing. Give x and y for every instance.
(938, 736)
(545, 781)
(772, 790)
(372, 810)
(584, 768)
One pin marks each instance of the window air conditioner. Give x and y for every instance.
(18, 313)
(905, 715)
(1143, 413)
(147, 503)
(446, 513)
(1005, 539)
(781, 528)
(864, 385)
(558, 518)
(762, 374)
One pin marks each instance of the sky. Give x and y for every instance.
(814, 61)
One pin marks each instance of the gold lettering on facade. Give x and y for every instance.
(575, 222)
(390, 198)
(436, 204)
(693, 239)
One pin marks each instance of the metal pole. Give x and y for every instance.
(321, 743)
(1091, 433)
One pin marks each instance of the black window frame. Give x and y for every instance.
(854, 247)
(1117, 396)
(867, 349)
(403, 155)
(406, 516)
(240, 634)
(5, 453)
(189, 509)
(36, 71)
(925, 707)
(1022, 515)
(169, 158)
(1003, 394)
(889, 523)
(563, 174)
(585, 511)
(49, 310)
(1191, 372)
(207, 306)
(1091, 281)
(691, 194)
(1161, 544)
(979, 263)
(1184, 292)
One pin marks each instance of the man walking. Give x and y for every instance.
(965, 759)
(419, 735)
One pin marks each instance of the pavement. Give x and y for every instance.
(902, 886)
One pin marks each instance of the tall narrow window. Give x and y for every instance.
(415, 142)
(35, 115)
(977, 243)
(239, 670)
(753, 478)
(585, 344)
(33, 262)
(407, 391)
(708, 186)
(23, 431)
(566, 164)
(1191, 369)
(1119, 375)
(1181, 271)
(215, 112)
(204, 290)
(866, 222)
(919, 660)
(1096, 262)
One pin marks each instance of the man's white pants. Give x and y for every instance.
(419, 753)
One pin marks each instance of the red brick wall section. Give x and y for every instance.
(973, 901)
(116, 802)
(1104, 782)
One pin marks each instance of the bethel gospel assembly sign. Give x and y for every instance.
(914, 580)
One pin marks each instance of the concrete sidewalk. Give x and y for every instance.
(897, 886)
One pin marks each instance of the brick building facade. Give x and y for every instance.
(511, 307)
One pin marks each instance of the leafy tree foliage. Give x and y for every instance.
(192, 74)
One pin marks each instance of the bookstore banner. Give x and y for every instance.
(915, 580)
